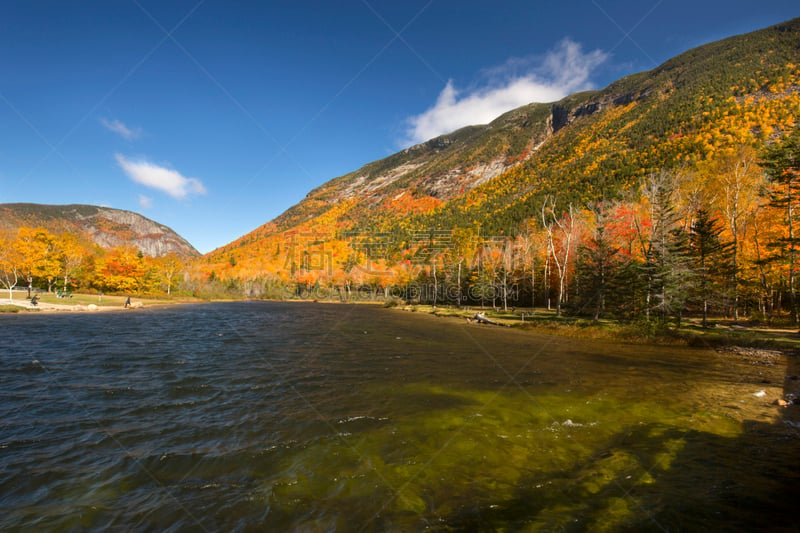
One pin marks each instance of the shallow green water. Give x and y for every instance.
(306, 417)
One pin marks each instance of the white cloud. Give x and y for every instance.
(164, 179)
(563, 70)
(145, 202)
(117, 126)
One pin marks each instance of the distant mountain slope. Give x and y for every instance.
(106, 227)
(744, 90)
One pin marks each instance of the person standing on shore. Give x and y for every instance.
(127, 302)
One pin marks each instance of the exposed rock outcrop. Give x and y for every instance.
(106, 227)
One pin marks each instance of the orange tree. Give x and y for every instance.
(123, 270)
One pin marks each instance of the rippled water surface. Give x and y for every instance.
(268, 416)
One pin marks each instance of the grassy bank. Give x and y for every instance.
(12, 309)
(724, 332)
(110, 300)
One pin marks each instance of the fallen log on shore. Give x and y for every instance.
(480, 318)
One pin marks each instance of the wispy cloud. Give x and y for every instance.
(119, 127)
(561, 71)
(145, 202)
(162, 178)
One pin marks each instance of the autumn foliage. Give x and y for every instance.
(35, 258)
(668, 193)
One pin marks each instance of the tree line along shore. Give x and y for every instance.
(713, 243)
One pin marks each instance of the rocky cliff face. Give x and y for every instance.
(106, 227)
(442, 168)
(451, 165)
(150, 237)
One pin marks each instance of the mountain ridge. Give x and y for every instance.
(104, 226)
(586, 146)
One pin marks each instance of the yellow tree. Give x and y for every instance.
(10, 261)
(485, 281)
(533, 248)
(736, 181)
(37, 246)
(71, 254)
(167, 268)
(462, 252)
(405, 273)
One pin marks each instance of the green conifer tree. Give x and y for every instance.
(781, 162)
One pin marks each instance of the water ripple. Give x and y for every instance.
(255, 415)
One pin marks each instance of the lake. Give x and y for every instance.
(325, 417)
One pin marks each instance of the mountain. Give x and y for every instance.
(104, 226)
(709, 101)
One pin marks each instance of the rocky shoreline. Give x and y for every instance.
(754, 356)
(764, 357)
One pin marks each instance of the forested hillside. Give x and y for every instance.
(668, 191)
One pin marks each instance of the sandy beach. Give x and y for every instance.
(51, 307)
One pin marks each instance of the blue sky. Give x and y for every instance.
(213, 117)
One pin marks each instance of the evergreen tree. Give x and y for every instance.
(597, 264)
(710, 258)
(667, 270)
(782, 163)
